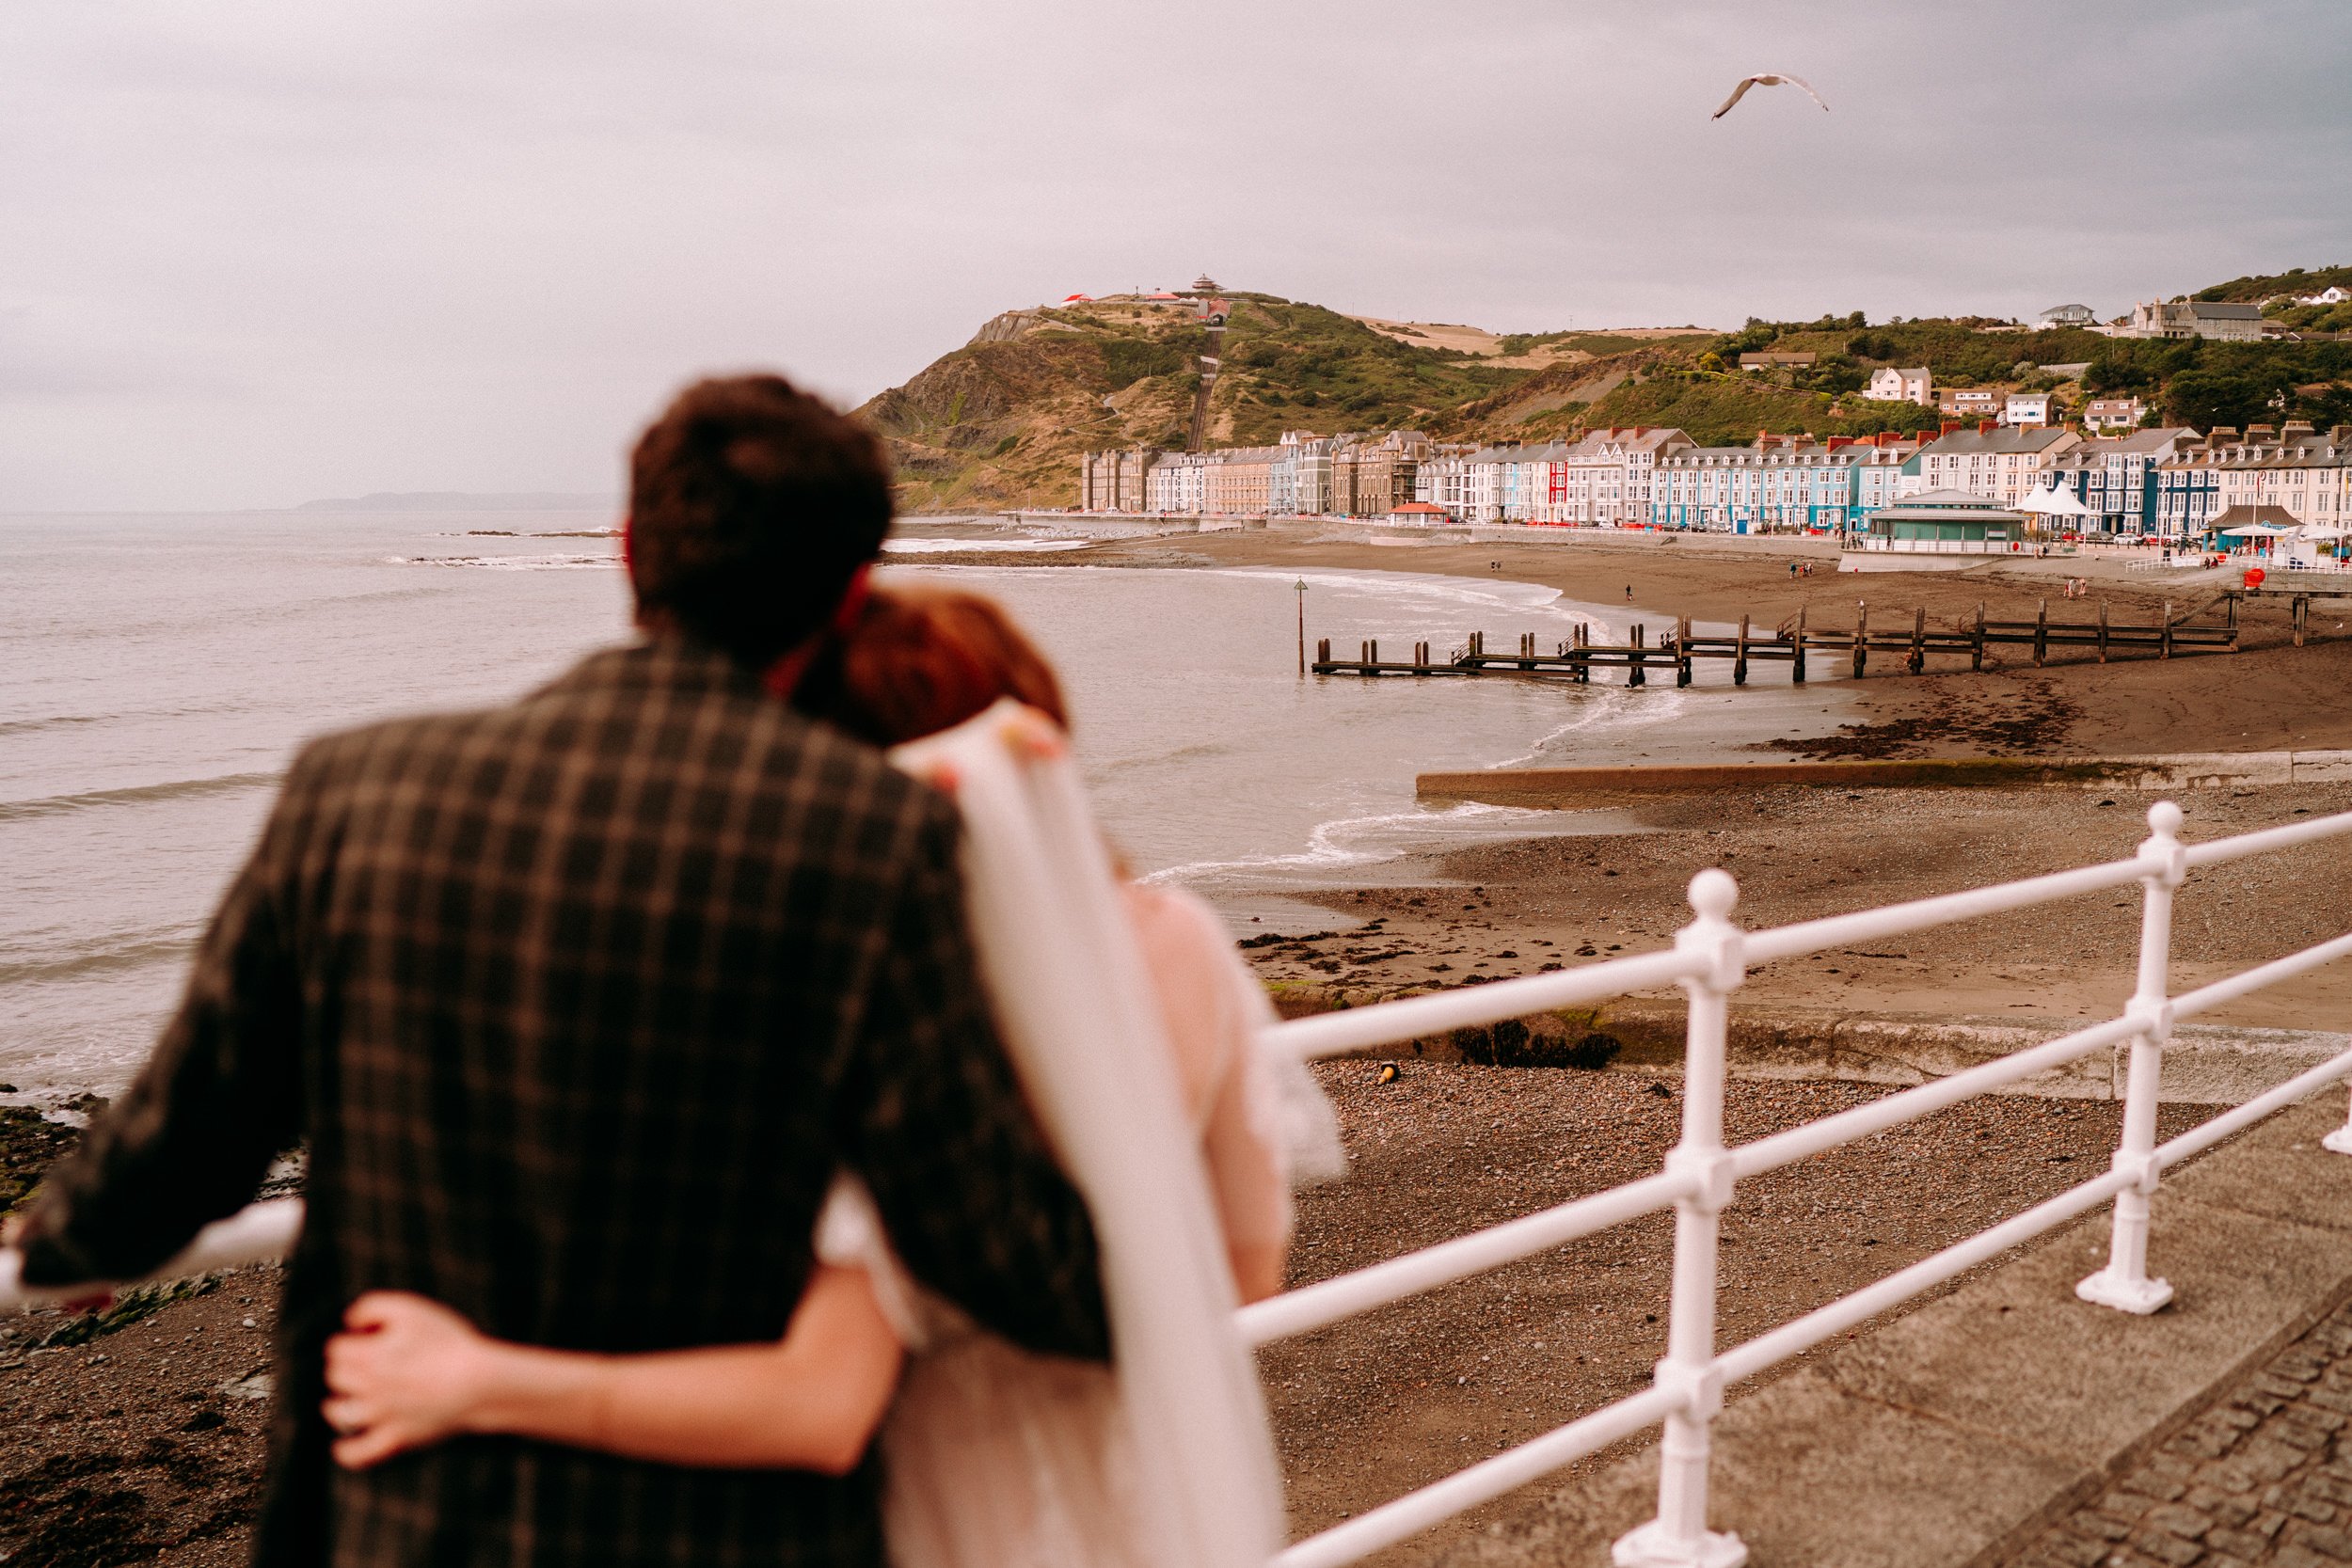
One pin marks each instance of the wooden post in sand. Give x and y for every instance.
(1740, 656)
(1918, 660)
(2164, 632)
(1796, 664)
(2041, 635)
(1682, 651)
(1636, 675)
(1322, 650)
(2103, 631)
(2232, 603)
(1579, 664)
(1861, 637)
(1976, 659)
(2302, 613)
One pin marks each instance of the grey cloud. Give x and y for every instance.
(285, 250)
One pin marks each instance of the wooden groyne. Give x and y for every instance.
(1797, 644)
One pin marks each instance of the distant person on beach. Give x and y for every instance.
(1628, 593)
(990, 1455)
(580, 1005)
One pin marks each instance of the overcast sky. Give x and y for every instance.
(262, 252)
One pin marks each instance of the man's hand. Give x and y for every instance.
(406, 1373)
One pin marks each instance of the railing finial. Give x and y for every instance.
(1713, 893)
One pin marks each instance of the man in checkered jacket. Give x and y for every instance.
(576, 1005)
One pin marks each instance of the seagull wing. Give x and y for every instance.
(1800, 82)
(1737, 93)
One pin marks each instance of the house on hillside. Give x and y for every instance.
(2194, 318)
(2114, 414)
(2334, 293)
(1777, 361)
(1891, 385)
(1969, 403)
(2068, 315)
(2028, 408)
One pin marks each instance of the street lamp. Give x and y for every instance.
(1301, 586)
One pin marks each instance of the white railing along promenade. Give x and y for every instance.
(1709, 959)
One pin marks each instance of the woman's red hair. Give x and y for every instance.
(918, 660)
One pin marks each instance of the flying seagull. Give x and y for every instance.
(1767, 79)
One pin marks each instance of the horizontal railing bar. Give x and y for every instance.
(1480, 1482)
(1809, 936)
(1378, 1284)
(1816, 1137)
(1802, 1333)
(2205, 998)
(1466, 1007)
(2237, 847)
(2207, 1133)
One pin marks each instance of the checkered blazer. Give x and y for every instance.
(577, 1004)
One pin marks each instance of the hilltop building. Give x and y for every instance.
(2069, 315)
(1777, 361)
(2194, 318)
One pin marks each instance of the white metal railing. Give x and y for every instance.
(1709, 959)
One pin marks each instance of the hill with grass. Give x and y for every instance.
(1002, 421)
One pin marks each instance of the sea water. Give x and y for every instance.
(160, 669)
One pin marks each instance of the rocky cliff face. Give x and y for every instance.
(1002, 421)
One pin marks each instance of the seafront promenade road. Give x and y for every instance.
(2262, 1477)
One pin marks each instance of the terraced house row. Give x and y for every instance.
(2163, 483)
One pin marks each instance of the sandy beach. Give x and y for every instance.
(154, 1427)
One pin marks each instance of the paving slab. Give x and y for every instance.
(1964, 1432)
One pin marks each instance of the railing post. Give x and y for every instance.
(1678, 1537)
(2124, 1284)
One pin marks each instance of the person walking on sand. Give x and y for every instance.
(578, 1005)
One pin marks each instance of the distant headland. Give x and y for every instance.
(464, 500)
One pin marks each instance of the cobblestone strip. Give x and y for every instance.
(2263, 1477)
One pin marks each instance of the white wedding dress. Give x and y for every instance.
(995, 1458)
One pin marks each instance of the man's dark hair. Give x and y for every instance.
(751, 506)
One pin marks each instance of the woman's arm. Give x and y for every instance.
(408, 1372)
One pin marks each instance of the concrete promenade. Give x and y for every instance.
(2011, 1423)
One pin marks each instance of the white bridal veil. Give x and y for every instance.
(1079, 1016)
